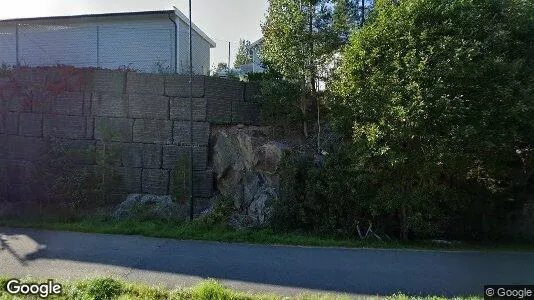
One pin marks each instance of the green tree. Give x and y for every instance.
(438, 97)
(221, 67)
(341, 23)
(290, 46)
(242, 57)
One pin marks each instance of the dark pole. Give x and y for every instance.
(229, 49)
(363, 13)
(191, 198)
(17, 45)
(98, 46)
(175, 58)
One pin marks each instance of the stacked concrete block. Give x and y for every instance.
(109, 81)
(173, 155)
(113, 129)
(149, 84)
(178, 86)
(30, 124)
(148, 106)
(203, 184)
(24, 148)
(141, 120)
(20, 172)
(152, 131)
(180, 109)
(64, 126)
(107, 104)
(66, 103)
(156, 181)
(9, 122)
(231, 102)
(221, 95)
(130, 180)
(182, 133)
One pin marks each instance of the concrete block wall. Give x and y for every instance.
(142, 117)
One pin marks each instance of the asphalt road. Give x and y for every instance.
(283, 270)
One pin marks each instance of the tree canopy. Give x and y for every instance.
(242, 57)
(438, 97)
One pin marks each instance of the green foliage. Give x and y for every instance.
(180, 179)
(212, 290)
(279, 101)
(106, 288)
(341, 20)
(3, 283)
(242, 57)
(102, 289)
(327, 198)
(221, 213)
(300, 43)
(438, 98)
(224, 71)
(286, 40)
(221, 68)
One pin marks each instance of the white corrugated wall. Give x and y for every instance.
(201, 51)
(8, 54)
(145, 43)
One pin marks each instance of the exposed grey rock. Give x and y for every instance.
(260, 210)
(149, 207)
(223, 154)
(245, 165)
(268, 157)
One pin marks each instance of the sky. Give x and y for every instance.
(222, 20)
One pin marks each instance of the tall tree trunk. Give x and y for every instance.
(304, 108)
(363, 13)
(404, 222)
(312, 67)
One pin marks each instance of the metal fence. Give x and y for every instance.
(143, 48)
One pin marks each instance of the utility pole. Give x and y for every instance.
(229, 49)
(17, 45)
(98, 46)
(191, 197)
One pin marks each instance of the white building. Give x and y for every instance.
(149, 41)
(254, 53)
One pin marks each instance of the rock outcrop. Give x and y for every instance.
(245, 165)
(149, 207)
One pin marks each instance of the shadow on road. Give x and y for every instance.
(4, 246)
(356, 271)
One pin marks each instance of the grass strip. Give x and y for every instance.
(109, 289)
(197, 230)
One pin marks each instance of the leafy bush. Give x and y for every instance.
(97, 289)
(327, 199)
(212, 290)
(280, 101)
(438, 98)
(222, 211)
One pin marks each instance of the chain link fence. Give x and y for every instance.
(144, 48)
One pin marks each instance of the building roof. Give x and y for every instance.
(174, 11)
(180, 15)
(256, 43)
